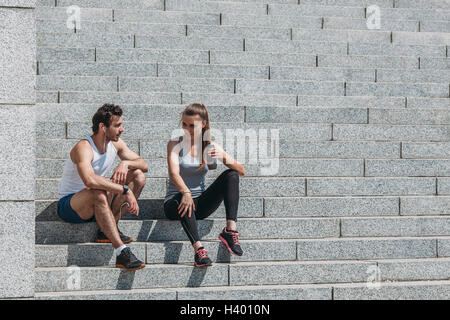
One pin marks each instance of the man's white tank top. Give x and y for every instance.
(71, 181)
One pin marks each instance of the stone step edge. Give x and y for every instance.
(189, 265)
(343, 239)
(251, 51)
(248, 287)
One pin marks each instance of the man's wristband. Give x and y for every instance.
(125, 189)
(186, 192)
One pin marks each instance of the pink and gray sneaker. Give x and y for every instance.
(231, 241)
(201, 258)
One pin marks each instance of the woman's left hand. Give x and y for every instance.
(216, 153)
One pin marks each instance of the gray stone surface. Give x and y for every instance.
(166, 17)
(326, 74)
(443, 186)
(186, 43)
(366, 249)
(411, 116)
(84, 40)
(361, 24)
(96, 69)
(262, 58)
(340, 149)
(396, 49)
(48, 232)
(228, 130)
(438, 4)
(61, 54)
(341, 35)
(138, 4)
(173, 30)
(435, 63)
(213, 71)
(420, 269)
(239, 99)
(155, 55)
(296, 47)
(272, 292)
(348, 3)
(370, 186)
(82, 255)
(215, 6)
(17, 98)
(423, 38)
(80, 83)
(17, 70)
(18, 166)
(17, 234)
(424, 76)
(119, 97)
(395, 227)
(440, 150)
(417, 133)
(361, 61)
(424, 205)
(261, 250)
(330, 207)
(238, 32)
(18, 3)
(134, 294)
(297, 114)
(70, 112)
(410, 168)
(351, 102)
(152, 276)
(298, 272)
(253, 20)
(435, 26)
(316, 10)
(86, 14)
(415, 14)
(290, 87)
(423, 290)
(443, 247)
(160, 84)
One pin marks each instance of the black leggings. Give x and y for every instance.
(224, 188)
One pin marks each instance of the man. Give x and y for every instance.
(86, 195)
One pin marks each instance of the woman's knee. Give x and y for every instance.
(232, 175)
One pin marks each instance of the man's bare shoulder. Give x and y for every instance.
(119, 144)
(82, 151)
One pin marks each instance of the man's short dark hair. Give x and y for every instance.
(104, 115)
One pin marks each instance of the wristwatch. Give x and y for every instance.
(125, 189)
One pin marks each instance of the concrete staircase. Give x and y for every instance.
(363, 189)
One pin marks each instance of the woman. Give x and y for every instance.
(186, 198)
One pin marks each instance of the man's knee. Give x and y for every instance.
(139, 177)
(100, 197)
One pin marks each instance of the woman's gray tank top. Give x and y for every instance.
(193, 178)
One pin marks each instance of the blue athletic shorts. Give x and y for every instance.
(66, 212)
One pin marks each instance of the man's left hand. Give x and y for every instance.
(120, 173)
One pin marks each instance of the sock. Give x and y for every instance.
(119, 249)
(226, 229)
